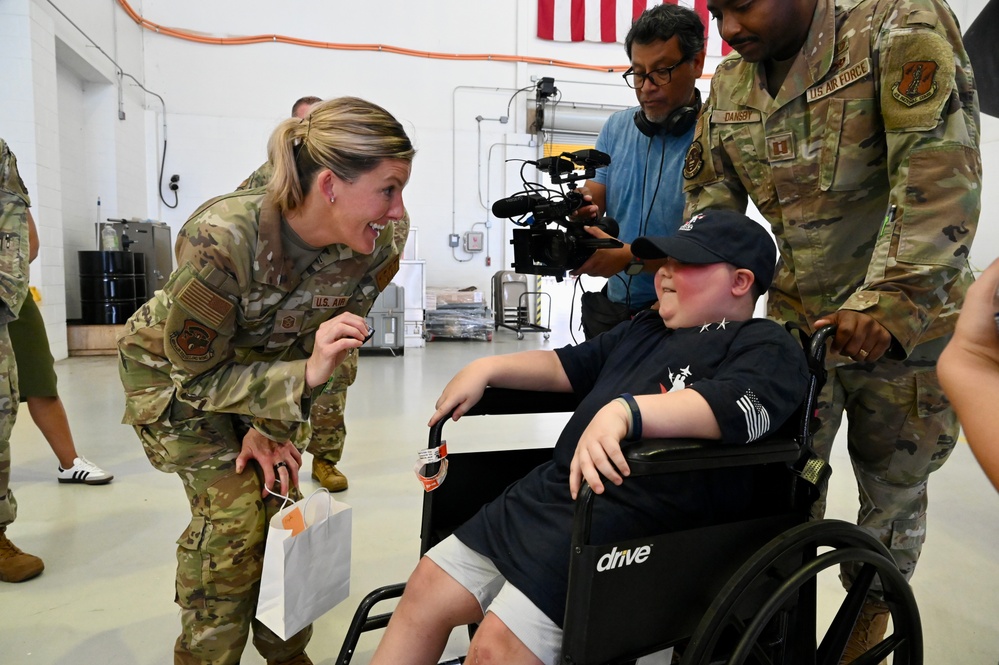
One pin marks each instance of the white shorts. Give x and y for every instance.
(482, 579)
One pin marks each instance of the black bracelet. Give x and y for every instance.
(636, 417)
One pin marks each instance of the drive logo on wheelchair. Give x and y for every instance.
(620, 559)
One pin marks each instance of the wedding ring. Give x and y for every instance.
(863, 353)
(280, 464)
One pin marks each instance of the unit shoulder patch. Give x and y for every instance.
(918, 78)
(194, 341)
(694, 161)
(918, 82)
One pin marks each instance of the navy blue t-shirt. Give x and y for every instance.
(753, 375)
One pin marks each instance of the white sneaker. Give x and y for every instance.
(84, 471)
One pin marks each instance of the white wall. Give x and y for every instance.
(222, 102)
(75, 134)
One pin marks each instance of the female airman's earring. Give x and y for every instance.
(332, 199)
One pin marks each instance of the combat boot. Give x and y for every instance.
(868, 631)
(15, 565)
(328, 475)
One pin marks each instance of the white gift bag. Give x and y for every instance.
(307, 574)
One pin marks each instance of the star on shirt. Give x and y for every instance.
(704, 327)
(722, 324)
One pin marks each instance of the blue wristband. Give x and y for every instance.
(636, 417)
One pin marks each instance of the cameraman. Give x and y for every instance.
(642, 187)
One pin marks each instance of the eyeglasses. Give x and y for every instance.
(659, 77)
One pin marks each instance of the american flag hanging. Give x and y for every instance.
(609, 20)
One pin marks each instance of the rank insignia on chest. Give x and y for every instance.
(288, 321)
(780, 147)
(918, 82)
(329, 302)
(841, 57)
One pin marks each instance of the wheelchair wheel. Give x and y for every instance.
(766, 613)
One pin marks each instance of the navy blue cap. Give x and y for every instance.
(716, 236)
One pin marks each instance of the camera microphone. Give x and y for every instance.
(516, 206)
(590, 158)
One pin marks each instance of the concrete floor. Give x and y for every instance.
(107, 592)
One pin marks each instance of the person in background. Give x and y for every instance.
(15, 565)
(854, 128)
(303, 105)
(642, 187)
(969, 370)
(329, 429)
(221, 366)
(37, 386)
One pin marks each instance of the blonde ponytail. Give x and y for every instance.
(348, 136)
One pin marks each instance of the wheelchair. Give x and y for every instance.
(742, 591)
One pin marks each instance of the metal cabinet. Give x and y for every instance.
(385, 318)
(152, 239)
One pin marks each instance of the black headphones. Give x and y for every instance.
(676, 123)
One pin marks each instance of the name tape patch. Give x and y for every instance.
(329, 302)
(721, 117)
(840, 80)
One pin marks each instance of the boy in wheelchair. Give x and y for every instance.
(699, 366)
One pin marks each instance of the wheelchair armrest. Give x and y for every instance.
(507, 401)
(654, 456)
(658, 456)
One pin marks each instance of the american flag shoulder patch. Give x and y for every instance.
(205, 304)
(756, 415)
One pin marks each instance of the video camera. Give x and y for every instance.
(538, 250)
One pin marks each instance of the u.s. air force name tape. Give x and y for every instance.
(432, 456)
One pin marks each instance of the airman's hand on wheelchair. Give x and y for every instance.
(461, 394)
(598, 452)
(858, 336)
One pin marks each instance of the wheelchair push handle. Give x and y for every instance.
(817, 362)
(437, 430)
(817, 344)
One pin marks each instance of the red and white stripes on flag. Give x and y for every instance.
(609, 20)
(757, 418)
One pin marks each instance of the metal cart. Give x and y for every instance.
(512, 300)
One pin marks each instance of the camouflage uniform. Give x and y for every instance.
(222, 348)
(879, 108)
(13, 291)
(328, 428)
